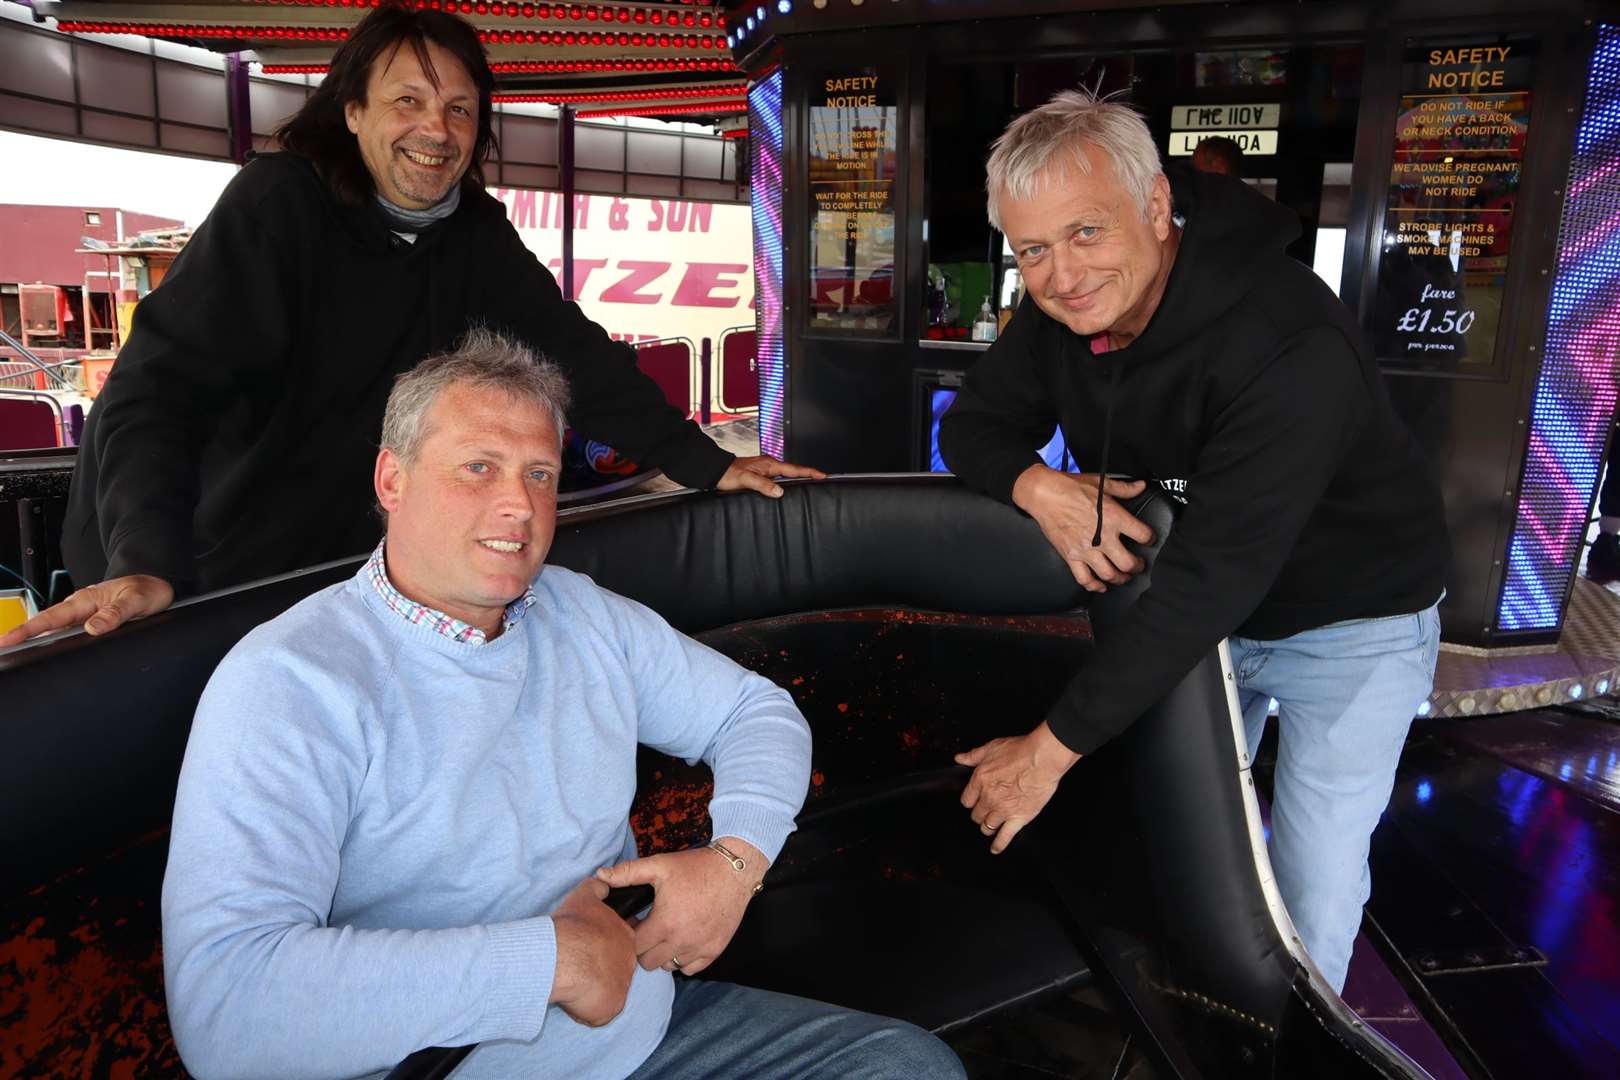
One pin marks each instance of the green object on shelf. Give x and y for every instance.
(967, 283)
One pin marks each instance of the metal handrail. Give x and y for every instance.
(36, 361)
(40, 395)
(664, 341)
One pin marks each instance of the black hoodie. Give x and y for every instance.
(1251, 396)
(237, 434)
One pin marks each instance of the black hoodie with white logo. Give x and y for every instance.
(1252, 397)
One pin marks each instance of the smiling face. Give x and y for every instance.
(1087, 256)
(471, 518)
(416, 132)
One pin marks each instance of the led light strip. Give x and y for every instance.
(707, 108)
(675, 93)
(335, 33)
(574, 12)
(765, 185)
(256, 33)
(599, 38)
(1575, 391)
(553, 67)
(547, 67)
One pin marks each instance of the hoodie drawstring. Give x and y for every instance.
(1108, 431)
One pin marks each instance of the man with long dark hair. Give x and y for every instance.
(241, 420)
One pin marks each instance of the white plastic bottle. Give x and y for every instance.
(984, 327)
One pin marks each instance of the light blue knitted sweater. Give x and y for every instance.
(373, 822)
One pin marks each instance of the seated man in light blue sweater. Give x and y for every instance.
(404, 800)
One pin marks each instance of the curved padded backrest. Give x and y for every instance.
(95, 728)
(923, 541)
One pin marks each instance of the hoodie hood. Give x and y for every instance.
(1232, 234)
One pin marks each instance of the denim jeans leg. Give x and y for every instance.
(1248, 660)
(719, 1029)
(1347, 695)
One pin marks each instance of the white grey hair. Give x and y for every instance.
(1071, 121)
(483, 360)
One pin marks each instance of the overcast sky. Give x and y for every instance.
(56, 172)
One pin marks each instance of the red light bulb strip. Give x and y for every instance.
(338, 33)
(549, 67)
(705, 108)
(561, 12)
(599, 39)
(730, 90)
(569, 67)
(238, 33)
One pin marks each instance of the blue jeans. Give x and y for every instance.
(719, 1029)
(1346, 694)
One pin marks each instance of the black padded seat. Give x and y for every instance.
(1148, 864)
(887, 898)
(934, 953)
(921, 923)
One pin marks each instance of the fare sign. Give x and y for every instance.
(1459, 147)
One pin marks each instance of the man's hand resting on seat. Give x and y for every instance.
(1012, 781)
(1065, 506)
(699, 901)
(102, 607)
(759, 473)
(596, 956)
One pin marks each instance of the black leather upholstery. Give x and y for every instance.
(921, 541)
(1144, 863)
(95, 728)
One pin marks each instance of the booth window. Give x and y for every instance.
(854, 146)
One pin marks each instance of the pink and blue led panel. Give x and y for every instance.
(1575, 394)
(765, 176)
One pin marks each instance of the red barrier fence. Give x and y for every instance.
(685, 372)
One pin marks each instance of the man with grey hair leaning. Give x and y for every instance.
(1175, 342)
(405, 799)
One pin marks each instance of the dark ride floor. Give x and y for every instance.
(1496, 889)
(1491, 947)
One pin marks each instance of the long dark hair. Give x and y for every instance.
(319, 132)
